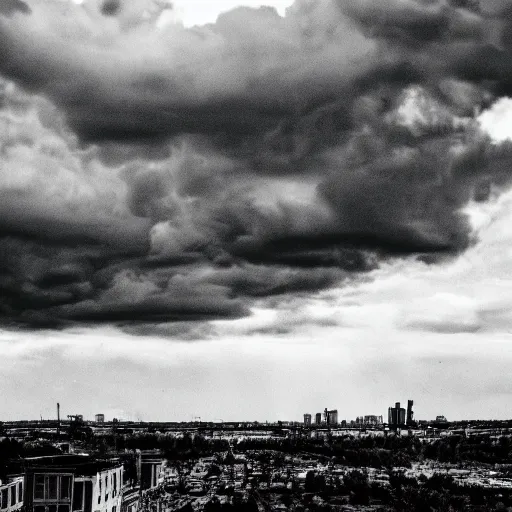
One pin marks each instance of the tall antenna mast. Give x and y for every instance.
(58, 420)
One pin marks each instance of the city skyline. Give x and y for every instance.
(325, 417)
(292, 205)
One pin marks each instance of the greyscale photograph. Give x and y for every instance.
(255, 255)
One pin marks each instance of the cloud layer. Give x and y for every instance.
(153, 174)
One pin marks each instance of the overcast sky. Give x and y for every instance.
(258, 215)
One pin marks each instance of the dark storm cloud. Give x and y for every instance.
(110, 7)
(204, 169)
(9, 7)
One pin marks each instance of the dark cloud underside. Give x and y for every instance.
(174, 175)
(9, 7)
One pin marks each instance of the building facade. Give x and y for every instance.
(372, 419)
(11, 495)
(48, 490)
(73, 483)
(107, 491)
(151, 469)
(410, 413)
(396, 415)
(332, 417)
(307, 420)
(99, 418)
(318, 418)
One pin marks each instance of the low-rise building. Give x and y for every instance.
(73, 483)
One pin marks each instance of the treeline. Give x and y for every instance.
(375, 452)
(372, 451)
(438, 493)
(392, 451)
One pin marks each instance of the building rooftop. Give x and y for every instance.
(80, 465)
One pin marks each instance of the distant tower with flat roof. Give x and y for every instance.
(410, 412)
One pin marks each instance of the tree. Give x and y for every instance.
(356, 483)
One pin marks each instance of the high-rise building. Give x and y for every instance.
(410, 413)
(332, 417)
(396, 415)
(307, 420)
(318, 418)
(371, 419)
(99, 418)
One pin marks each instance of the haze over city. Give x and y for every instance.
(224, 210)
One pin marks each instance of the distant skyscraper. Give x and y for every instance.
(307, 420)
(410, 413)
(99, 418)
(396, 415)
(371, 419)
(332, 417)
(318, 418)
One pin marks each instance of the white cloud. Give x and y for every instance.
(497, 121)
(199, 12)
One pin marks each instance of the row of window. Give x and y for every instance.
(11, 495)
(51, 508)
(52, 487)
(108, 481)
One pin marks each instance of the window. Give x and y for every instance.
(88, 493)
(51, 489)
(5, 498)
(78, 496)
(65, 487)
(13, 495)
(114, 492)
(39, 509)
(52, 508)
(63, 508)
(39, 487)
(20, 492)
